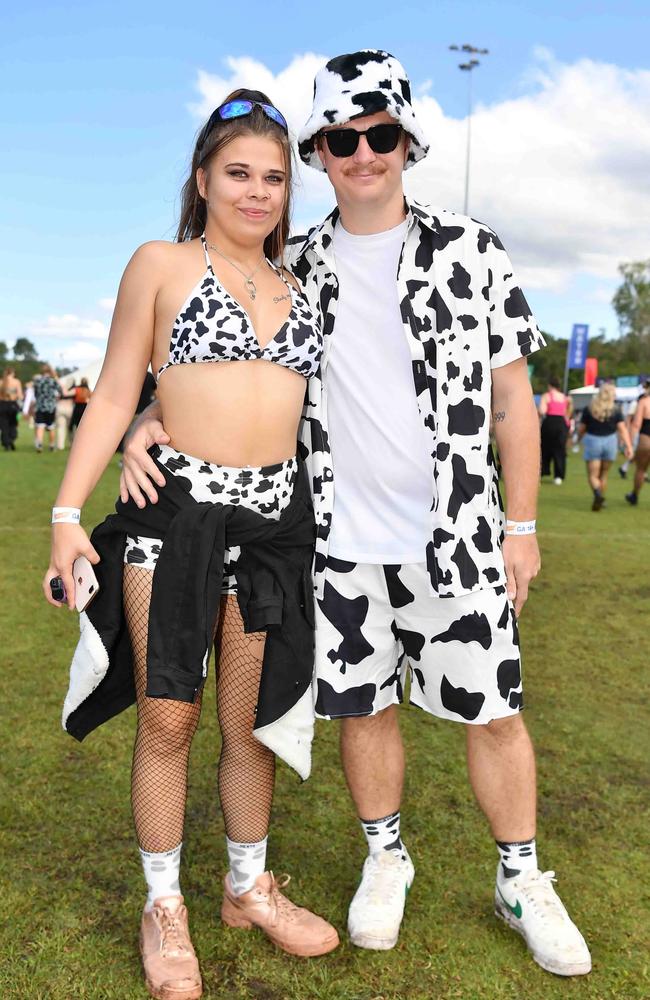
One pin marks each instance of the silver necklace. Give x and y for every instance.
(248, 278)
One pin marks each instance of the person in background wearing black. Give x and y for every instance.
(81, 395)
(555, 410)
(11, 395)
(641, 426)
(600, 425)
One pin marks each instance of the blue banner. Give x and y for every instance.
(578, 345)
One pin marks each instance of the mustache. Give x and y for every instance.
(375, 170)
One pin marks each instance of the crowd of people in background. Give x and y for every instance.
(45, 403)
(603, 429)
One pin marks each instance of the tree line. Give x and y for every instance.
(24, 359)
(628, 354)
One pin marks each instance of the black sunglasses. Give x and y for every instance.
(380, 138)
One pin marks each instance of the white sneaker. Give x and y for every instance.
(557, 481)
(377, 908)
(530, 905)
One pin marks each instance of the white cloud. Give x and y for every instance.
(552, 171)
(291, 88)
(108, 304)
(560, 171)
(69, 340)
(70, 326)
(78, 354)
(603, 294)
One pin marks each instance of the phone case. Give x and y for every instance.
(86, 586)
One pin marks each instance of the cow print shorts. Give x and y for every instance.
(266, 489)
(376, 622)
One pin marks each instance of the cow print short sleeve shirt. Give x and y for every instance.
(463, 314)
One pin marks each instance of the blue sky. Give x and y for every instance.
(99, 109)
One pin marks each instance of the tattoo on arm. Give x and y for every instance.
(498, 416)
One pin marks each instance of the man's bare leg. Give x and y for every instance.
(373, 762)
(501, 765)
(372, 754)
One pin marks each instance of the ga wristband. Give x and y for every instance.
(66, 515)
(521, 527)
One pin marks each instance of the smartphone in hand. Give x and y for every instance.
(86, 586)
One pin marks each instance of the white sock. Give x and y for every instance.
(516, 857)
(247, 863)
(383, 834)
(161, 873)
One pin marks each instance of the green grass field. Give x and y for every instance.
(72, 886)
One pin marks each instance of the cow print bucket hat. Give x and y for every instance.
(358, 84)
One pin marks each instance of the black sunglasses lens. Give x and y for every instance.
(383, 138)
(342, 141)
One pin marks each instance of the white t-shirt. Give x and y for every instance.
(382, 469)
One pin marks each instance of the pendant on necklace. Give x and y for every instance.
(250, 288)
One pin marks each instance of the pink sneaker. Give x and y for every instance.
(170, 965)
(290, 927)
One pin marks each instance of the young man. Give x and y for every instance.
(426, 335)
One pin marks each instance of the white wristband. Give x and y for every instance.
(66, 515)
(521, 527)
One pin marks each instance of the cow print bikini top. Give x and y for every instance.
(213, 326)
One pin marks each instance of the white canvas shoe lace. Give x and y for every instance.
(538, 889)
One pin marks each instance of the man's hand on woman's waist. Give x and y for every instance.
(139, 471)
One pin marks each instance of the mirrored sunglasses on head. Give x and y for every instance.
(241, 109)
(381, 139)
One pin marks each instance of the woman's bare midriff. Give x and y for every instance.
(232, 413)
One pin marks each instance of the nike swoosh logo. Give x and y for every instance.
(515, 910)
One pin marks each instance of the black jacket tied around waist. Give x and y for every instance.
(274, 591)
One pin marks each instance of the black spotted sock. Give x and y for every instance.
(517, 857)
(383, 834)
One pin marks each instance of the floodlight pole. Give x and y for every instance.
(469, 135)
(467, 67)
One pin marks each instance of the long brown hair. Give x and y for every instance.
(193, 215)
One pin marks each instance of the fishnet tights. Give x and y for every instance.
(166, 728)
(163, 738)
(246, 766)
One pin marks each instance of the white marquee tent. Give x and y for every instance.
(624, 395)
(90, 372)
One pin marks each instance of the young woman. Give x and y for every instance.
(555, 410)
(81, 396)
(232, 342)
(11, 396)
(600, 425)
(641, 426)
